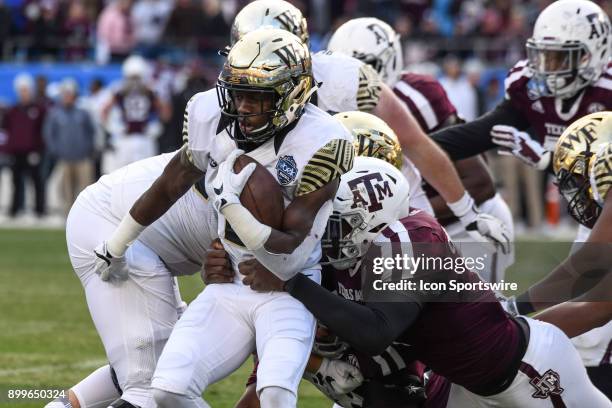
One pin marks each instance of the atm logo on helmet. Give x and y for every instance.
(376, 189)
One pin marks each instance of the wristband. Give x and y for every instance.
(251, 232)
(126, 233)
(464, 206)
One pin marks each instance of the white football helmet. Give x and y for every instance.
(570, 47)
(370, 196)
(135, 66)
(372, 41)
(269, 13)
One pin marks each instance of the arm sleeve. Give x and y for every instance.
(385, 321)
(469, 139)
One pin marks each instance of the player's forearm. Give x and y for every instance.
(153, 203)
(472, 138)
(586, 270)
(385, 321)
(267, 243)
(477, 181)
(576, 318)
(437, 169)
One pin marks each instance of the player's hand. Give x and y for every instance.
(228, 185)
(513, 142)
(327, 344)
(335, 378)
(491, 229)
(108, 266)
(217, 266)
(249, 399)
(258, 277)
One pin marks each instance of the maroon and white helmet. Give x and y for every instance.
(371, 196)
(372, 41)
(570, 47)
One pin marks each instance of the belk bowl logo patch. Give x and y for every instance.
(286, 170)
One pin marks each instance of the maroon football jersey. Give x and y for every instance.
(426, 100)
(547, 117)
(137, 108)
(469, 343)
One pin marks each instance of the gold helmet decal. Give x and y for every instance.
(582, 163)
(271, 14)
(372, 137)
(270, 62)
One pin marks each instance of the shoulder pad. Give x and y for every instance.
(328, 163)
(368, 90)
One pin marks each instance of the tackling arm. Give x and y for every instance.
(477, 180)
(385, 321)
(586, 270)
(472, 138)
(431, 161)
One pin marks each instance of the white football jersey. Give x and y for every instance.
(345, 83)
(180, 237)
(315, 151)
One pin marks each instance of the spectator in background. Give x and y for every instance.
(77, 30)
(23, 125)
(149, 18)
(93, 104)
(460, 92)
(213, 30)
(5, 24)
(198, 80)
(42, 18)
(181, 26)
(69, 135)
(115, 32)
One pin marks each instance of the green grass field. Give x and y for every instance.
(47, 339)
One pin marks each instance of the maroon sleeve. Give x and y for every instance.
(253, 377)
(426, 99)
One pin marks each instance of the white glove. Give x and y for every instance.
(228, 185)
(513, 142)
(335, 378)
(109, 267)
(481, 227)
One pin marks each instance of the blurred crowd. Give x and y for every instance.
(65, 131)
(109, 30)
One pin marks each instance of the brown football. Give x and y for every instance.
(262, 194)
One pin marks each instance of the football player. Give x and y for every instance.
(347, 84)
(133, 317)
(491, 358)
(582, 164)
(262, 93)
(377, 44)
(135, 123)
(393, 379)
(568, 74)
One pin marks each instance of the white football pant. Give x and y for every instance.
(134, 318)
(223, 326)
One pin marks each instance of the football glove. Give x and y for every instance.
(513, 142)
(108, 266)
(481, 227)
(228, 185)
(335, 378)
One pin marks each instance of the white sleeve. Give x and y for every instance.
(201, 118)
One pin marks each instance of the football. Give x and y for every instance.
(262, 195)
